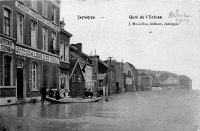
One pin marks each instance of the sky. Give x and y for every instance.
(156, 47)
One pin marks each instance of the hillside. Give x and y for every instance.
(168, 78)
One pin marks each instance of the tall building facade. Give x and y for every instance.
(64, 57)
(29, 51)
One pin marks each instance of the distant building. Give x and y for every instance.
(129, 83)
(146, 82)
(165, 82)
(134, 71)
(138, 80)
(100, 74)
(111, 80)
(118, 66)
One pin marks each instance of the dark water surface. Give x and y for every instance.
(142, 111)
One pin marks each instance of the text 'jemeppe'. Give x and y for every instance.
(86, 17)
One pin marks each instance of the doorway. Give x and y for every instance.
(117, 86)
(20, 80)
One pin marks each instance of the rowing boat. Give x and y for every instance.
(73, 100)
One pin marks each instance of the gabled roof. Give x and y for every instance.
(77, 64)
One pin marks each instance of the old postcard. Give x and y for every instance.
(127, 65)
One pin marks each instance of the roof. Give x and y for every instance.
(82, 61)
(106, 65)
(132, 67)
(67, 33)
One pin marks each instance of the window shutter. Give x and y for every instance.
(30, 75)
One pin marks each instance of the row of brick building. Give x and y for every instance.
(35, 52)
(29, 48)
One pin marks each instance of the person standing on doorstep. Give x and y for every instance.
(43, 94)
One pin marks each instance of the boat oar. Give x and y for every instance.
(106, 100)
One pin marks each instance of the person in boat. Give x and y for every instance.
(100, 92)
(62, 92)
(86, 93)
(43, 94)
(57, 95)
(67, 93)
(51, 92)
(90, 93)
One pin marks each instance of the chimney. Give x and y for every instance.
(79, 47)
(62, 24)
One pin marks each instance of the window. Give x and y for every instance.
(129, 73)
(64, 80)
(45, 39)
(73, 78)
(20, 28)
(79, 78)
(54, 40)
(7, 21)
(33, 34)
(33, 4)
(62, 53)
(44, 7)
(67, 52)
(7, 70)
(53, 18)
(34, 76)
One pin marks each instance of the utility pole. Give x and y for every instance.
(122, 75)
(109, 76)
(97, 72)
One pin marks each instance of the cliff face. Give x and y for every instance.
(185, 82)
(164, 78)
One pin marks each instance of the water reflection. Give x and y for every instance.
(20, 110)
(128, 111)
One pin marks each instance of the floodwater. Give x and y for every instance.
(131, 111)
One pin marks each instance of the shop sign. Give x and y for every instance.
(37, 16)
(37, 55)
(128, 81)
(6, 45)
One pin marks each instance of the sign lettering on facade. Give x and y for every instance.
(35, 15)
(36, 55)
(6, 45)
